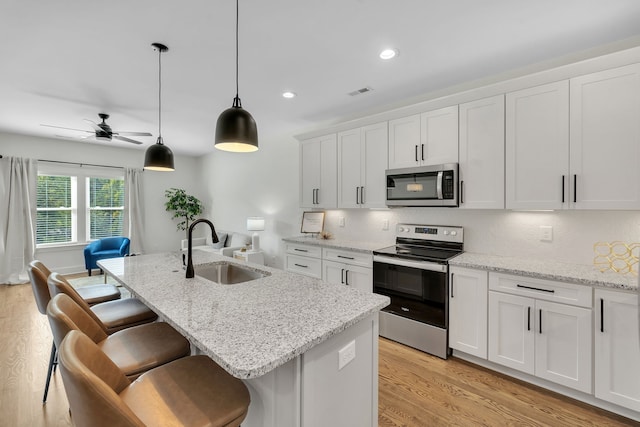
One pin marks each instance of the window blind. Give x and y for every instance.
(54, 222)
(106, 207)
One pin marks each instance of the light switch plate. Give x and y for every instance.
(385, 224)
(546, 233)
(341, 221)
(346, 354)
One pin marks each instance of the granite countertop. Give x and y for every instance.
(350, 245)
(551, 270)
(248, 328)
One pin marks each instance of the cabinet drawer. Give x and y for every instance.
(304, 250)
(348, 257)
(549, 290)
(305, 265)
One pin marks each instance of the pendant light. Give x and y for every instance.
(159, 157)
(236, 129)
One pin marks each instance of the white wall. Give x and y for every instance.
(160, 231)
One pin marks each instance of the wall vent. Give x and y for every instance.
(360, 91)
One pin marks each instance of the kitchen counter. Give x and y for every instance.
(350, 245)
(551, 270)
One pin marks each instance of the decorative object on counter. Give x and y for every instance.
(236, 129)
(620, 257)
(159, 157)
(255, 224)
(183, 205)
(312, 222)
(325, 235)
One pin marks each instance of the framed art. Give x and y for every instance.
(312, 222)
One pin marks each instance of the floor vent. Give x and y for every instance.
(360, 91)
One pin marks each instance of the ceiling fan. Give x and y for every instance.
(103, 132)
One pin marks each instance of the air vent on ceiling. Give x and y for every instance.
(360, 91)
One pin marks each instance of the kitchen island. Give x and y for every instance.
(307, 350)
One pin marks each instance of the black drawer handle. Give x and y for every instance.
(551, 291)
(345, 257)
(300, 265)
(528, 318)
(300, 250)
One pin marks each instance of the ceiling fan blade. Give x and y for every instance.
(94, 125)
(123, 138)
(60, 127)
(133, 133)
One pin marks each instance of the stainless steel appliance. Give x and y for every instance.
(414, 273)
(435, 185)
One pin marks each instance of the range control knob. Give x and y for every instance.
(446, 232)
(454, 233)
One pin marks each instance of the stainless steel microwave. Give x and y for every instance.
(434, 185)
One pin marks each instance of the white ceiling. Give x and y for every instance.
(67, 60)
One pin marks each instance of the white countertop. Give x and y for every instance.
(351, 245)
(574, 273)
(248, 328)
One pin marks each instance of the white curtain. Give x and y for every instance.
(133, 210)
(18, 181)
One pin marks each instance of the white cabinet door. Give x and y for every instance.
(348, 275)
(511, 331)
(439, 136)
(537, 147)
(481, 149)
(468, 311)
(318, 172)
(617, 348)
(605, 139)
(349, 169)
(563, 345)
(374, 153)
(404, 142)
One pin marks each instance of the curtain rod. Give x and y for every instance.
(76, 163)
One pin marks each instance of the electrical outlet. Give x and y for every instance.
(385, 225)
(346, 354)
(546, 233)
(341, 221)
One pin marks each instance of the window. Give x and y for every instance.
(78, 204)
(106, 207)
(56, 203)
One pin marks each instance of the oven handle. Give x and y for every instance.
(421, 265)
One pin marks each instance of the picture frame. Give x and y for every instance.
(312, 222)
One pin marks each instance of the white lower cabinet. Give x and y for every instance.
(468, 311)
(617, 348)
(304, 259)
(348, 268)
(530, 331)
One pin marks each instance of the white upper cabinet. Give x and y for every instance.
(605, 139)
(362, 161)
(429, 138)
(481, 170)
(537, 147)
(318, 172)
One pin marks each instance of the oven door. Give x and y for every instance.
(418, 289)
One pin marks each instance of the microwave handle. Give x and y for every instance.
(439, 185)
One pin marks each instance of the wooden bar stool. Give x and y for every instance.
(38, 275)
(134, 350)
(113, 316)
(192, 391)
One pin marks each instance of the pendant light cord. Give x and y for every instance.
(236, 100)
(160, 94)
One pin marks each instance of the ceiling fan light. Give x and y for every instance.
(236, 131)
(159, 157)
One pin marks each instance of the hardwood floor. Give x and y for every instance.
(415, 389)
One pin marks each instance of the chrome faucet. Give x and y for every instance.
(214, 237)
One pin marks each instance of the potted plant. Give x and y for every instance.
(184, 206)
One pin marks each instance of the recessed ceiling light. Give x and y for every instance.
(288, 94)
(388, 53)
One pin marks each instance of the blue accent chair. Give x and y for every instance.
(108, 247)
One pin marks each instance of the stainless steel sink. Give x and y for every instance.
(227, 273)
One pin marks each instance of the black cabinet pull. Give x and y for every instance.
(575, 188)
(601, 314)
(345, 257)
(551, 291)
(540, 320)
(342, 276)
(416, 153)
(528, 318)
(562, 188)
(362, 195)
(357, 196)
(461, 191)
(346, 277)
(422, 149)
(300, 250)
(300, 265)
(452, 285)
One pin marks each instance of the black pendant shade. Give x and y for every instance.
(159, 157)
(236, 129)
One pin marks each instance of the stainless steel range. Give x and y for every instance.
(414, 273)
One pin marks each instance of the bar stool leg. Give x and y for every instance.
(52, 363)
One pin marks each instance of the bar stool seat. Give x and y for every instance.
(134, 350)
(96, 294)
(191, 391)
(112, 316)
